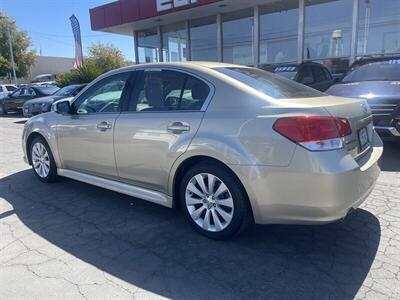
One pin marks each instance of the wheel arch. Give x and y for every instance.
(48, 138)
(189, 162)
(28, 145)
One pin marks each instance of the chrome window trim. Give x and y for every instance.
(177, 69)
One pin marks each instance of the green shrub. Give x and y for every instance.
(84, 74)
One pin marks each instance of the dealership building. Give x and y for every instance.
(254, 32)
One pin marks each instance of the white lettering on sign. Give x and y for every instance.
(170, 4)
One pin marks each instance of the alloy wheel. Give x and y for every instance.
(209, 202)
(40, 160)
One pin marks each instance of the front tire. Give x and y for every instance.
(42, 159)
(3, 110)
(214, 201)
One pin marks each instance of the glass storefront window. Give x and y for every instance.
(174, 42)
(379, 26)
(148, 46)
(278, 40)
(203, 36)
(328, 27)
(238, 37)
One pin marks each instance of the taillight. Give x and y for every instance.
(343, 126)
(316, 133)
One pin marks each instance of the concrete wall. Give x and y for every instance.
(51, 65)
(45, 65)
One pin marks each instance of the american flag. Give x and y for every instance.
(76, 30)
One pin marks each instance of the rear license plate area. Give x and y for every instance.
(363, 138)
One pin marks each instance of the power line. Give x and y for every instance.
(66, 36)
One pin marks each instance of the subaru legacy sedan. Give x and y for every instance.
(230, 145)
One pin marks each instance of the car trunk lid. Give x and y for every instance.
(356, 111)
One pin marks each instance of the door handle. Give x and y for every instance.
(178, 127)
(103, 126)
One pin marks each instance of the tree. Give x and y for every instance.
(24, 57)
(106, 57)
(102, 58)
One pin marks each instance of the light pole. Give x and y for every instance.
(10, 46)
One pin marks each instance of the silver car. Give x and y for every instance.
(229, 144)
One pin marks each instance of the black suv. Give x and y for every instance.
(376, 79)
(312, 74)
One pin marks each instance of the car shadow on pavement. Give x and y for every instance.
(155, 249)
(390, 161)
(16, 116)
(13, 116)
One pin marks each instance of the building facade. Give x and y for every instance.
(254, 32)
(44, 65)
(51, 65)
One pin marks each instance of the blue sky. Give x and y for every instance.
(47, 23)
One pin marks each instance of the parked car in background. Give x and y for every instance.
(312, 74)
(44, 80)
(229, 143)
(377, 80)
(43, 104)
(6, 89)
(15, 101)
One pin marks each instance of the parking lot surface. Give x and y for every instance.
(70, 240)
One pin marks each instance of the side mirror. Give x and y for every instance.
(61, 107)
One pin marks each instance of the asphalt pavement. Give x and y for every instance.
(70, 240)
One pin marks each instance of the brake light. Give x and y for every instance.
(316, 133)
(343, 126)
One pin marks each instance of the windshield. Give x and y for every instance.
(270, 84)
(48, 90)
(388, 70)
(66, 91)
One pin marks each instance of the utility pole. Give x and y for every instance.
(10, 47)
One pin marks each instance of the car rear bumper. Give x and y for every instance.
(316, 188)
(389, 131)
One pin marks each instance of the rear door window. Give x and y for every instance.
(10, 88)
(168, 90)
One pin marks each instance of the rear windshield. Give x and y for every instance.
(270, 84)
(388, 70)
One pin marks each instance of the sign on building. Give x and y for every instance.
(163, 5)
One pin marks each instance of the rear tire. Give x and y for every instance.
(214, 201)
(42, 159)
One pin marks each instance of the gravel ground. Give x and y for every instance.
(70, 240)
